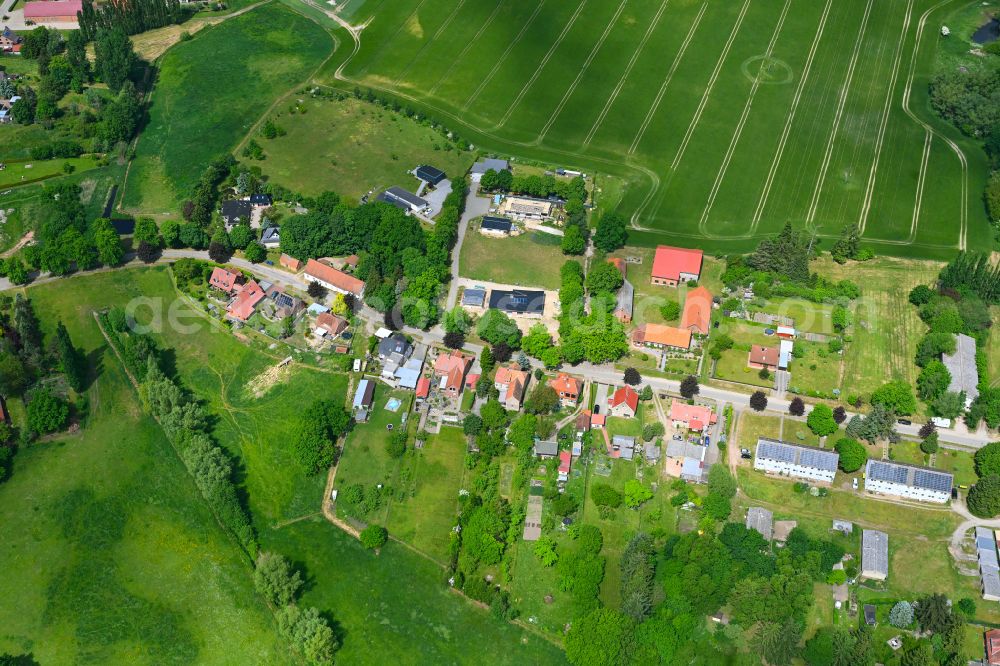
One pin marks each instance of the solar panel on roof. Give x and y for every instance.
(880, 471)
(775, 451)
(818, 459)
(932, 480)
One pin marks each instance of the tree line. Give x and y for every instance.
(131, 17)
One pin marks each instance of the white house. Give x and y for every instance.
(803, 462)
(908, 481)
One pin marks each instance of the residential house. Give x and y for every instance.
(623, 447)
(624, 403)
(991, 639)
(235, 211)
(6, 105)
(565, 463)
(474, 298)
(364, 396)
(496, 226)
(393, 351)
(526, 208)
(428, 174)
(803, 462)
(697, 315)
(691, 417)
(962, 366)
(423, 389)
(333, 279)
(518, 302)
(908, 481)
(407, 376)
(452, 368)
(329, 325)
(762, 357)
(673, 265)
(583, 421)
(693, 469)
(598, 420)
(400, 198)
(623, 302)
(289, 262)
(8, 40)
(546, 450)
(489, 164)
(284, 305)
(245, 304)
(223, 280)
(511, 381)
(52, 11)
(270, 237)
(568, 388)
(261, 200)
(660, 336)
(762, 520)
(874, 555)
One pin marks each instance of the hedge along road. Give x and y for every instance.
(606, 374)
(819, 94)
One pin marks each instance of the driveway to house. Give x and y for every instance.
(474, 207)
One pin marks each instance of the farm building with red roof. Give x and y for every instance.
(673, 265)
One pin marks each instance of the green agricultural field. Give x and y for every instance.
(110, 553)
(725, 119)
(531, 259)
(352, 147)
(209, 93)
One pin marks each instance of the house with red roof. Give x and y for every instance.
(423, 388)
(53, 11)
(658, 336)
(598, 420)
(673, 265)
(511, 381)
(565, 463)
(624, 402)
(692, 417)
(763, 357)
(452, 368)
(334, 280)
(245, 303)
(290, 262)
(224, 280)
(697, 316)
(329, 325)
(568, 388)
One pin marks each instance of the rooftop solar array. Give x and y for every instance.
(909, 475)
(803, 456)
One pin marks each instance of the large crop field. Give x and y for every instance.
(210, 91)
(727, 118)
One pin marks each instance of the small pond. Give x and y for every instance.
(988, 32)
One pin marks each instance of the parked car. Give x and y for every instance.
(708, 440)
(678, 438)
(904, 421)
(745, 454)
(854, 483)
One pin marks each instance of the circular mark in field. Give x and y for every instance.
(768, 69)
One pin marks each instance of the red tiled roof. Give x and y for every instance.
(565, 384)
(332, 323)
(763, 355)
(670, 262)
(565, 460)
(697, 310)
(681, 411)
(620, 265)
(52, 8)
(223, 279)
(332, 276)
(992, 638)
(290, 262)
(597, 420)
(423, 387)
(626, 395)
(471, 380)
(660, 334)
(246, 301)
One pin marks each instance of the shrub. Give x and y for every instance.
(901, 615)
(604, 495)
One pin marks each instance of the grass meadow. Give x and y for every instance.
(531, 259)
(352, 147)
(209, 93)
(110, 552)
(726, 119)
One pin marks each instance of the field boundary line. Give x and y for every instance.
(887, 106)
(789, 121)
(377, 56)
(711, 86)
(465, 50)
(842, 102)
(545, 61)
(503, 58)
(437, 34)
(666, 82)
(738, 132)
(583, 70)
(628, 71)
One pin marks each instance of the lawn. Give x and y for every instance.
(532, 259)
(725, 120)
(809, 317)
(425, 506)
(814, 370)
(17, 173)
(352, 147)
(111, 554)
(732, 366)
(209, 93)
(886, 327)
(753, 425)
